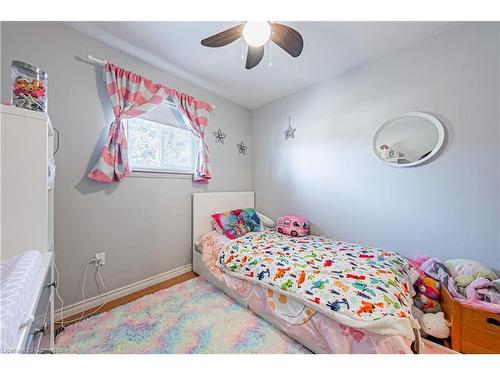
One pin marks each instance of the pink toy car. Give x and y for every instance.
(293, 225)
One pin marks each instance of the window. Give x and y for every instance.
(160, 147)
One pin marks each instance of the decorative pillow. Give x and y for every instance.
(251, 219)
(231, 223)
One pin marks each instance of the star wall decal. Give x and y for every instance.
(219, 136)
(242, 149)
(289, 132)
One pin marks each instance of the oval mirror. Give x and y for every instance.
(409, 139)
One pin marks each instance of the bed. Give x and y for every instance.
(319, 327)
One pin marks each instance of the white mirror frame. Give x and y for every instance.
(439, 127)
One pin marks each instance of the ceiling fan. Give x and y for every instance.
(256, 34)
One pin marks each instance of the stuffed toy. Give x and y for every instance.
(435, 269)
(431, 324)
(429, 287)
(426, 304)
(435, 325)
(422, 282)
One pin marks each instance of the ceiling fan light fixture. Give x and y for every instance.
(256, 33)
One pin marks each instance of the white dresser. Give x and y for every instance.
(27, 214)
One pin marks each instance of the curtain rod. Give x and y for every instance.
(93, 60)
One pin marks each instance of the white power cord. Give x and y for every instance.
(102, 283)
(57, 293)
(61, 322)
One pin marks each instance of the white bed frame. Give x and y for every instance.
(204, 205)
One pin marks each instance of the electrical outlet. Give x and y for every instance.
(100, 259)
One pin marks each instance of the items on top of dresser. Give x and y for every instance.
(29, 86)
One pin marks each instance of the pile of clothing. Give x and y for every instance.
(475, 283)
(467, 280)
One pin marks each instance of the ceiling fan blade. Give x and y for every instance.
(224, 37)
(254, 55)
(287, 39)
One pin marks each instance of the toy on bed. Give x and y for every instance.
(293, 226)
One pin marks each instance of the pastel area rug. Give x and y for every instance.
(191, 317)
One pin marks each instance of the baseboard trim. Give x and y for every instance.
(96, 301)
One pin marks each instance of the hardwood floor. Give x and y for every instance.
(133, 296)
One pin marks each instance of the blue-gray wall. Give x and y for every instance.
(143, 224)
(328, 173)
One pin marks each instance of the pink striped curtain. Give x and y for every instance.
(195, 114)
(131, 95)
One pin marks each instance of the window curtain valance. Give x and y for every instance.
(131, 96)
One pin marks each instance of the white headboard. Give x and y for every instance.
(205, 204)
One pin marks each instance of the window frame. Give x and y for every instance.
(195, 142)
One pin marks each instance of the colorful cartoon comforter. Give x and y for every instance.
(359, 286)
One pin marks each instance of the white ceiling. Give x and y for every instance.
(330, 49)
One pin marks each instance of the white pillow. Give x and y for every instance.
(265, 221)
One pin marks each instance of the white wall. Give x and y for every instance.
(143, 224)
(328, 173)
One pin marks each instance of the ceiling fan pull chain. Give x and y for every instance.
(270, 59)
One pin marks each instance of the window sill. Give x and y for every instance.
(171, 175)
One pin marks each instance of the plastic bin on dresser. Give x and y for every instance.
(29, 87)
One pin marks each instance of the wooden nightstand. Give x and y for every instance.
(472, 330)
